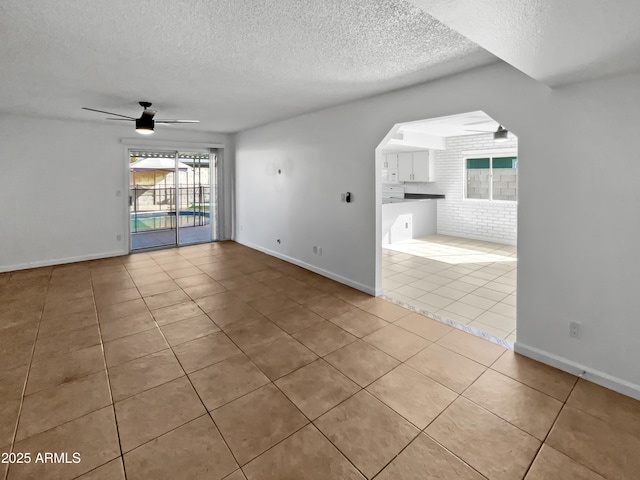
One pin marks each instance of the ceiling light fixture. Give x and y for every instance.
(501, 134)
(145, 124)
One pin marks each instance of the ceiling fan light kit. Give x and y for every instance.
(145, 125)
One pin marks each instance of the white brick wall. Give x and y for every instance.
(492, 221)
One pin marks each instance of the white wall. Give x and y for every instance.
(58, 187)
(491, 221)
(406, 220)
(578, 257)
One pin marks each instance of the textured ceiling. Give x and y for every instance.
(553, 41)
(232, 64)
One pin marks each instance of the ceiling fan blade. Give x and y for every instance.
(108, 113)
(491, 122)
(123, 119)
(148, 112)
(177, 121)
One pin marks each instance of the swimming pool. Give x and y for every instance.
(143, 222)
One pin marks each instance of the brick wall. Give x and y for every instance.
(469, 218)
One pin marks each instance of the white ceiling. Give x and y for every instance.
(553, 41)
(431, 133)
(232, 64)
(453, 125)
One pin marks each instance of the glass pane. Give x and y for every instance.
(152, 199)
(195, 197)
(478, 178)
(505, 178)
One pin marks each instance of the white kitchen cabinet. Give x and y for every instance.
(390, 168)
(416, 166)
(390, 160)
(405, 167)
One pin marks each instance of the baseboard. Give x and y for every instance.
(595, 376)
(477, 237)
(61, 261)
(325, 273)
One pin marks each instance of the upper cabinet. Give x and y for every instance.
(390, 168)
(416, 166)
(409, 167)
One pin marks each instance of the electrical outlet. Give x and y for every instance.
(278, 240)
(315, 249)
(118, 237)
(574, 329)
(319, 250)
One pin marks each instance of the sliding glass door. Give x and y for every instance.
(171, 198)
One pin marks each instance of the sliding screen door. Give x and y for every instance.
(171, 198)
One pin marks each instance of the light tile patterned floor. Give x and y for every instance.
(467, 281)
(216, 361)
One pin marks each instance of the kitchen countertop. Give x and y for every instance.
(422, 196)
(413, 197)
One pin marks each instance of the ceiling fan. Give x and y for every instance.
(499, 135)
(145, 123)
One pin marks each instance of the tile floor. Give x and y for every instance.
(468, 281)
(216, 361)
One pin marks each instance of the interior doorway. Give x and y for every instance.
(448, 240)
(172, 198)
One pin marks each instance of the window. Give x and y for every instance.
(491, 178)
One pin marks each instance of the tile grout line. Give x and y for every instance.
(106, 368)
(26, 380)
